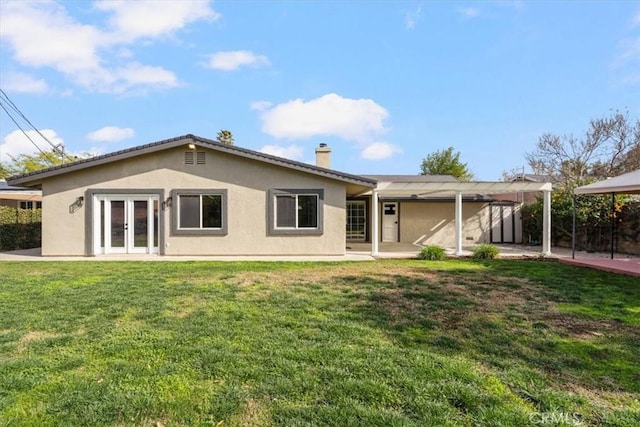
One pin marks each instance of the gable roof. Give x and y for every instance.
(34, 178)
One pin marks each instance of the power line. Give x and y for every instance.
(19, 127)
(57, 149)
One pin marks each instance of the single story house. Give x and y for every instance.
(19, 197)
(194, 196)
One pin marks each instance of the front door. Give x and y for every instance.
(389, 222)
(125, 224)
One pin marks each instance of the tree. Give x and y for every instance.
(25, 163)
(4, 171)
(446, 162)
(610, 147)
(225, 137)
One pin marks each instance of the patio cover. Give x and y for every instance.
(422, 189)
(628, 183)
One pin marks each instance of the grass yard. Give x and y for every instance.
(388, 343)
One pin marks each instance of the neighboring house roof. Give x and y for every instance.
(412, 178)
(628, 183)
(10, 192)
(4, 186)
(531, 178)
(34, 178)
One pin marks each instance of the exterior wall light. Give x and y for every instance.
(167, 203)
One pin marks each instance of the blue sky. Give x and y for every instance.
(384, 83)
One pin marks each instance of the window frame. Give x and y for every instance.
(200, 231)
(283, 231)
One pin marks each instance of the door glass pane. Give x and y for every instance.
(307, 211)
(211, 211)
(356, 220)
(117, 223)
(102, 224)
(140, 224)
(189, 211)
(285, 211)
(155, 223)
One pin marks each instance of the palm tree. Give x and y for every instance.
(225, 137)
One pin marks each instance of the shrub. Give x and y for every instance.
(19, 228)
(485, 251)
(432, 253)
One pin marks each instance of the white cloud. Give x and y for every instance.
(468, 12)
(293, 152)
(379, 151)
(111, 134)
(135, 74)
(24, 83)
(53, 38)
(629, 51)
(17, 143)
(411, 18)
(43, 34)
(635, 21)
(260, 105)
(132, 20)
(627, 61)
(232, 60)
(330, 115)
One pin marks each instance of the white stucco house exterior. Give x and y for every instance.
(195, 196)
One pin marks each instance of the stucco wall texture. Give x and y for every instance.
(247, 182)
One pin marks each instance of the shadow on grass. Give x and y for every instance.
(539, 323)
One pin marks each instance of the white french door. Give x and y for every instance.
(125, 224)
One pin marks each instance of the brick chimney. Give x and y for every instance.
(323, 156)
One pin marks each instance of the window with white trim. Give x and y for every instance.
(295, 211)
(199, 211)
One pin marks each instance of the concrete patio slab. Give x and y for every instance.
(628, 266)
(36, 255)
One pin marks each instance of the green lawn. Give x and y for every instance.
(460, 342)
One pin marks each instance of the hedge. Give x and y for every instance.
(20, 228)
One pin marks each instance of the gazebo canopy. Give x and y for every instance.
(628, 183)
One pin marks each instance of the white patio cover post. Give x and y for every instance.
(458, 219)
(546, 223)
(374, 225)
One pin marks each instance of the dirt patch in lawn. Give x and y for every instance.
(32, 336)
(582, 328)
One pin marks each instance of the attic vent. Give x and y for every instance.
(188, 157)
(200, 158)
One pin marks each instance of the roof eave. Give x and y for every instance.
(35, 178)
